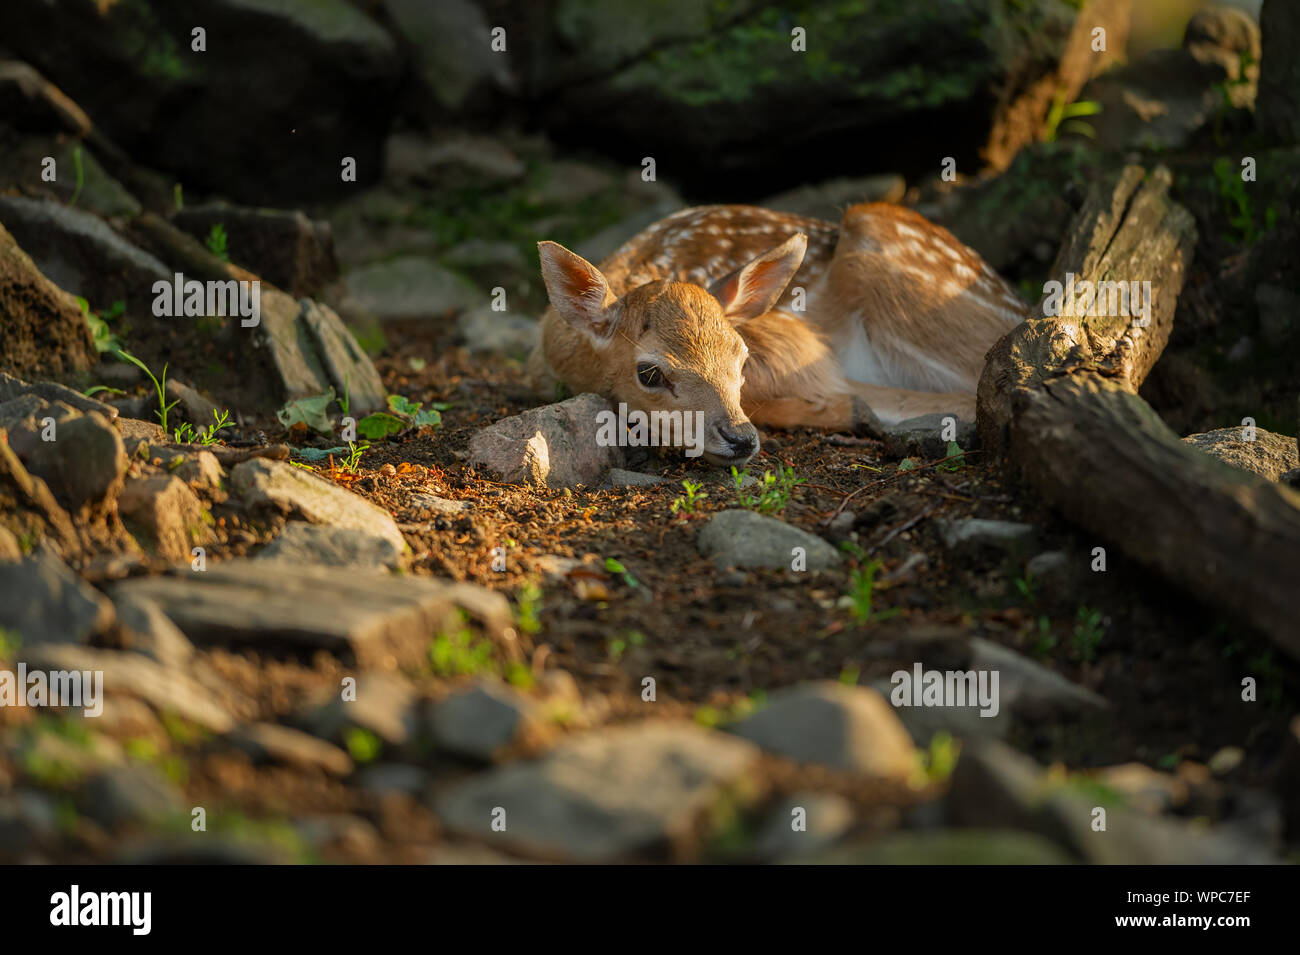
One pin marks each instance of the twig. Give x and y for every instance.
(885, 480)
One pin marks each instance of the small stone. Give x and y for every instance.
(331, 546)
(737, 538)
(1269, 455)
(44, 602)
(129, 794)
(479, 722)
(923, 436)
(165, 512)
(384, 705)
(422, 502)
(822, 817)
(847, 728)
(975, 533)
(620, 478)
(84, 463)
(553, 446)
(394, 778)
(485, 330)
(279, 486)
(411, 287)
(1029, 689)
(270, 742)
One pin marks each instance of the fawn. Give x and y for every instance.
(760, 317)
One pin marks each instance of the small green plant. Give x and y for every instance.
(1067, 117)
(363, 745)
(220, 422)
(216, 242)
(1089, 629)
(774, 490)
(1240, 208)
(862, 584)
(100, 332)
(1027, 587)
(178, 197)
(615, 567)
(618, 646)
(958, 459)
(1044, 639)
(352, 462)
(693, 497)
(459, 653)
(939, 759)
(10, 642)
(160, 386)
(528, 605)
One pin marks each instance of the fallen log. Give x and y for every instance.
(1058, 398)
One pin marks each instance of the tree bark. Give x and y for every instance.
(1059, 398)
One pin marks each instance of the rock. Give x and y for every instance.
(847, 728)
(995, 787)
(348, 369)
(81, 254)
(1221, 35)
(301, 543)
(552, 446)
(278, 486)
(603, 796)
(484, 330)
(394, 778)
(423, 503)
(28, 820)
(828, 200)
(738, 538)
(1269, 455)
(133, 674)
(163, 511)
(653, 74)
(11, 387)
(44, 332)
(452, 49)
(272, 743)
(1278, 104)
(976, 534)
(479, 722)
(294, 253)
(31, 103)
(922, 437)
(341, 76)
(983, 847)
(85, 462)
(44, 602)
(1144, 788)
(455, 162)
(620, 478)
(376, 620)
(1050, 568)
(565, 183)
(825, 818)
(1028, 689)
(201, 470)
(151, 632)
(129, 794)
(195, 409)
(411, 287)
(10, 550)
(384, 705)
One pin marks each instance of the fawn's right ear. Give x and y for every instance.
(578, 291)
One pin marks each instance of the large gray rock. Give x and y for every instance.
(1269, 455)
(81, 254)
(848, 728)
(552, 446)
(738, 538)
(44, 602)
(411, 287)
(278, 486)
(151, 632)
(302, 113)
(452, 48)
(603, 796)
(371, 618)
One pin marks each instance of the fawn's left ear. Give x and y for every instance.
(754, 288)
(578, 291)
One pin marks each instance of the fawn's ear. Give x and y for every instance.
(753, 289)
(578, 291)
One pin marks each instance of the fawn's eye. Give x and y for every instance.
(650, 376)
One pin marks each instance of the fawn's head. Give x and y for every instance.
(672, 346)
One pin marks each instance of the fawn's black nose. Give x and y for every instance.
(743, 443)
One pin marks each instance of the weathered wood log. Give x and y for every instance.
(1059, 398)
